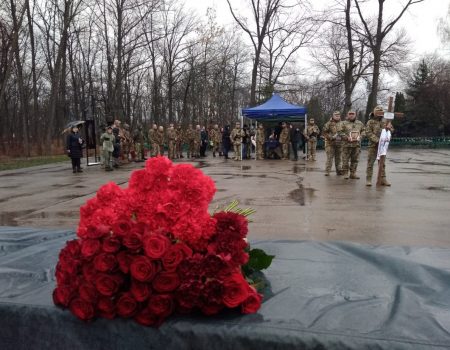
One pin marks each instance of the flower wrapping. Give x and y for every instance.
(152, 249)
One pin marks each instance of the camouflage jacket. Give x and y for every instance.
(260, 136)
(159, 137)
(180, 135)
(353, 126)
(152, 136)
(332, 131)
(171, 135)
(373, 131)
(214, 135)
(237, 135)
(312, 132)
(284, 135)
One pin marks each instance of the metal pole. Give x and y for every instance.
(306, 144)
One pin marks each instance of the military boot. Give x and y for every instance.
(327, 173)
(354, 176)
(369, 181)
(384, 182)
(346, 176)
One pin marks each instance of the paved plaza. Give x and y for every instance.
(294, 200)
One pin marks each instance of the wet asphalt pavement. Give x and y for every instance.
(294, 200)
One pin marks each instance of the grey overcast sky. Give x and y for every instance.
(421, 20)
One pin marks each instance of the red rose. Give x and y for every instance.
(166, 282)
(89, 272)
(126, 305)
(82, 309)
(111, 245)
(142, 269)
(235, 289)
(174, 255)
(62, 295)
(90, 247)
(88, 293)
(161, 305)
(156, 245)
(62, 277)
(105, 262)
(68, 264)
(106, 308)
(124, 259)
(73, 248)
(132, 240)
(97, 231)
(252, 303)
(211, 309)
(147, 318)
(122, 227)
(141, 291)
(107, 285)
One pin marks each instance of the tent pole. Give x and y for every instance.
(306, 134)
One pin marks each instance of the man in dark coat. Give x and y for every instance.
(74, 147)
(295, 137)
(226, 142)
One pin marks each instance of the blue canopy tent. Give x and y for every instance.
(276, 109)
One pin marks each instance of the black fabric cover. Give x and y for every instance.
(331, 295)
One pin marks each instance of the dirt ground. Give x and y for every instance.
(293, 199)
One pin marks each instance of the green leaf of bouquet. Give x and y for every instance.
(259, 260)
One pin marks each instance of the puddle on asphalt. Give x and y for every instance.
(246, 167)
(299, 194)
(297, 169)
(202, 164)
(221, 190)
(9, 218)
(438, 188)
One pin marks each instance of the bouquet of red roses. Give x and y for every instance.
(152, 249)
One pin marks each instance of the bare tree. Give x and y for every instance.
(376, 36)
(263, 13)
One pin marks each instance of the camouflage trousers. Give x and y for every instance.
(237, 151)
(350, 155)
(334, 152)
(191, 149)
(155, 149)
(215, 146)
(178, 149)
(285, 148)
(371, 157)
(260, 151)
(312, 145)
(171, 149)
(107, 159)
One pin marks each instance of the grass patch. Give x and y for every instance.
(18, 163)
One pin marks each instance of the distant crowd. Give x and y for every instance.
(280, 141)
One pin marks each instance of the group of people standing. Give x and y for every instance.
(343, 143)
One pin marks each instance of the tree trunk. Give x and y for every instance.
(23, 101)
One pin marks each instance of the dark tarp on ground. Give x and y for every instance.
(275, 110)
(330, 295)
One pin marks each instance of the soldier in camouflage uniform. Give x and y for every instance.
(353, 130)
(160, 140)
(260, 142)
(214, 137)
(153, 138)
(312, 133)
(126, 142)
(171, 141)
(190, 136)
(179, 142)
(236, 139)
(332, 131)
(284, 140)
(373, 131)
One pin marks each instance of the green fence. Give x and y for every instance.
(424, 142)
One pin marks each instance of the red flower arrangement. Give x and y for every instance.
(153, 249)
